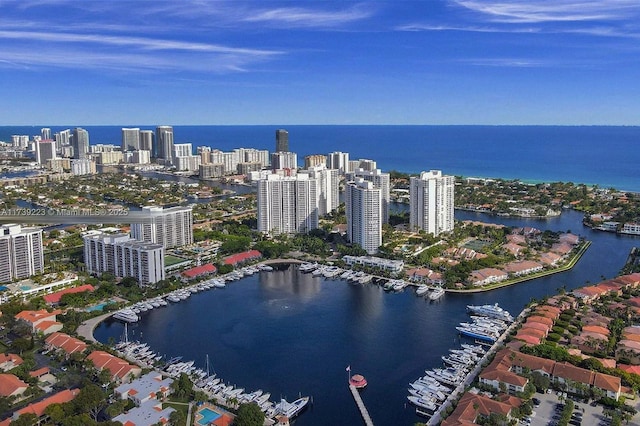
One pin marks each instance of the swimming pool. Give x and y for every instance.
(208, 416)
(99, 307)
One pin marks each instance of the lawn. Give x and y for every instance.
(170, 260)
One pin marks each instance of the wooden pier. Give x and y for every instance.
(361, 407)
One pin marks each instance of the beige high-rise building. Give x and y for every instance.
(363, 202)
(431, 202)
(123, 256)
(314, 160)
(170, 227)
(380, 180)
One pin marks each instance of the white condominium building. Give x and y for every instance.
(431, 202)
(122, 256)
(326, 187)
(284, 160)
(364, 214)
(171, 227)
(287, 204)
(379, 180)
(83, 166)
(21, 254)
(338, 160)
(130, 139)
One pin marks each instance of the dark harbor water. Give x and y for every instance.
(290, 333)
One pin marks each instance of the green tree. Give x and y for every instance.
(177, 418)
(55, 412)
(91, 400)
(28, 419)
(249, 415)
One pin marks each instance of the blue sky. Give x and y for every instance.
(85, 62)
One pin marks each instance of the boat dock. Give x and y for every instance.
(436, 418)
(363, 410)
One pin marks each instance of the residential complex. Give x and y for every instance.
(364, 214)
(431, 202)
(130, 139)
(122, 256)
(170, 227)
(164, 144)
(287, 204)
(80, 143)
(21, 254)
(326, 187)
(284, 160)
(338, 160)
(380, 180)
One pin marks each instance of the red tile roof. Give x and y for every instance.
(117, 367)
(596, 329)
(12, 358)
(39, 372)
(9, 384)
(207, 268)
(38, 408)
(66, 343)
(55, 297)
(242, 257)
(607, 382)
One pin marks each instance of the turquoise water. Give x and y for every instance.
(98, 307)
(25, 287)
(209, 416)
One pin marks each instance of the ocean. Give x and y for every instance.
(597, 155)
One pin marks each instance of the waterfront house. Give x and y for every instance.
(119, 369)
(550, 258)
(485, 276)
(241, 258)
(145, 388)
(499, 376)
(523, 267)
(471, 407)
(393, 266)
(199, 271)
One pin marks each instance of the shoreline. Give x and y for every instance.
(509, 282)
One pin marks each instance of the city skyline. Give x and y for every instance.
(438, 62)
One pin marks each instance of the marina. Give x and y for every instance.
(430, 392)
(256, 332)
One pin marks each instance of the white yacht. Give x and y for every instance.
(291, 409)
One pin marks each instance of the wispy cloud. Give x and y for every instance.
(303, 17)
(530, 11)
(462, 28)
(72, 50)
(140, 42)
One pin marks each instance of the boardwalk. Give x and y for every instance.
(361, 407)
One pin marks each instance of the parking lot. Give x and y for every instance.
(550, 408)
